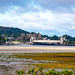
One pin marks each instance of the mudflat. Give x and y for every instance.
(35, 49)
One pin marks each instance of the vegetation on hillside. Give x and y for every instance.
(2, 39)
(8, 31)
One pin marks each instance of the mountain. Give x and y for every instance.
(8, 31)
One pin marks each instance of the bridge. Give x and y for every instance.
(34, 41)
(46, 41)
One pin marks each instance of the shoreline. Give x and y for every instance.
(34, 49)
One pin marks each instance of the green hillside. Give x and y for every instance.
(10, 30)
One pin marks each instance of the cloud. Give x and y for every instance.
(32, 5)
(43, 21)
(45, 16)
(6, 5)
(48, 3)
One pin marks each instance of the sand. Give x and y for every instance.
(34, 49)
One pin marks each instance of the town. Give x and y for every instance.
(15, 36)
(33, 39)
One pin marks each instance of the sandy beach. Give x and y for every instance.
(35, 49)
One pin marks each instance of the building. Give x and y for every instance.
(39, 36)
(21, 38)
(35, 37)
(32, 38)
(11, 38)
(61, 41)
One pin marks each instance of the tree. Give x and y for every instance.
(2, 39)
(55, 37)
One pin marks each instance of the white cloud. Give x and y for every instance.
(43, 20)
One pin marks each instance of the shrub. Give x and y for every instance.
(40, 71)
(21, 72)
(66, 72)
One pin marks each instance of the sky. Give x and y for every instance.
(49, 17)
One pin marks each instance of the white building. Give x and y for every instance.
(61, 41)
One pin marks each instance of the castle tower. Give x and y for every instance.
(39, 36)
(61, 40)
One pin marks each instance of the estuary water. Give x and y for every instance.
(34, 46)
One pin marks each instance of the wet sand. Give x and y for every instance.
(35, 49)
(9, 65)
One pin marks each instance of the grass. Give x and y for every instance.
(56, 65)
(49, 56)
(63, 60)
(0, 55)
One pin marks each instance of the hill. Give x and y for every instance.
(8, 31)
